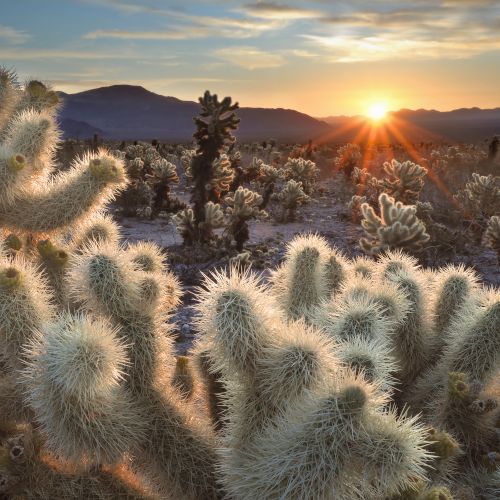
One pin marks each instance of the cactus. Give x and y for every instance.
(397, 227)
(291, 196)
(481, 197)
(94, 386)
(268, 175)
(214, 126)
(348, 158)
(404, 182)
(300, 284)
(303, 171)
(243, 205)
(322, 384)
(492, 235)
(355, 207)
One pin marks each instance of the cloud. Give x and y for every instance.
(271, 10)
(13, 36)
(392, 47)
(143, 35)
(250, 57)
(29, 54)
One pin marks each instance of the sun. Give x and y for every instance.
(377, 111)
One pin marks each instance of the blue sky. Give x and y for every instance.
(321, 57)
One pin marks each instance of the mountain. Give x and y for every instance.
(132, 112)
(462, 125)
(74, 129)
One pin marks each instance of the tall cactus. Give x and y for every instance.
(214, 125)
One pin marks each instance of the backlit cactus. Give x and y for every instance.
(492, 235)
(404, 181)
(291, 197)
(396, 227)
(243, 205)
(303, 171)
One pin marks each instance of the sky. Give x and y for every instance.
(321, 57)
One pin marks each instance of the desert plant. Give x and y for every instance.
(397, 227)
(348, 158)
(243, 205)
(214, 125)
(162, 175)
(492, 235)
(481, 197)
(403, 181)
(291, 197)
(90, 385)
(303, 171)
(267, 178)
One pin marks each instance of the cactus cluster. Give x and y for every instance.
(492, 235)
(339, 379)
(481, 197)
(150, 179)
(353, 379)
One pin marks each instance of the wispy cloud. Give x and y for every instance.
(30, 54)
(250, 57)
(143, 35)
(13, 36)
(271, 10)
(390, 47)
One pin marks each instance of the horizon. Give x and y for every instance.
(361, 115)
(317, 58)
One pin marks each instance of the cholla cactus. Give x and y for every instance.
(222, 176)
(492, 235)
(287, 396)
(292, 196)
(163, 174)
(310, 274)
(186, 159)
(348, 158)
(186, 225)
(404, 182)
(243, 205)
(355, 207)
(98, 380)
(267, 177)
(397, 227)
(214, 218)
(481, 197)
(214, 126)
(303, 171)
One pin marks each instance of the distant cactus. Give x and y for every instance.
(292, 196)
(303, 171)
(481, 197)
(348, 158)
(404, 182)
(214, 125)
(492, 235)
(397, 227)
(355, 207)
(243, 205)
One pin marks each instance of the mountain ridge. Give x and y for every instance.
(131, 112)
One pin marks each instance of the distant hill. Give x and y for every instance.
(132, 112)
(73, 129)
(463, 125)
